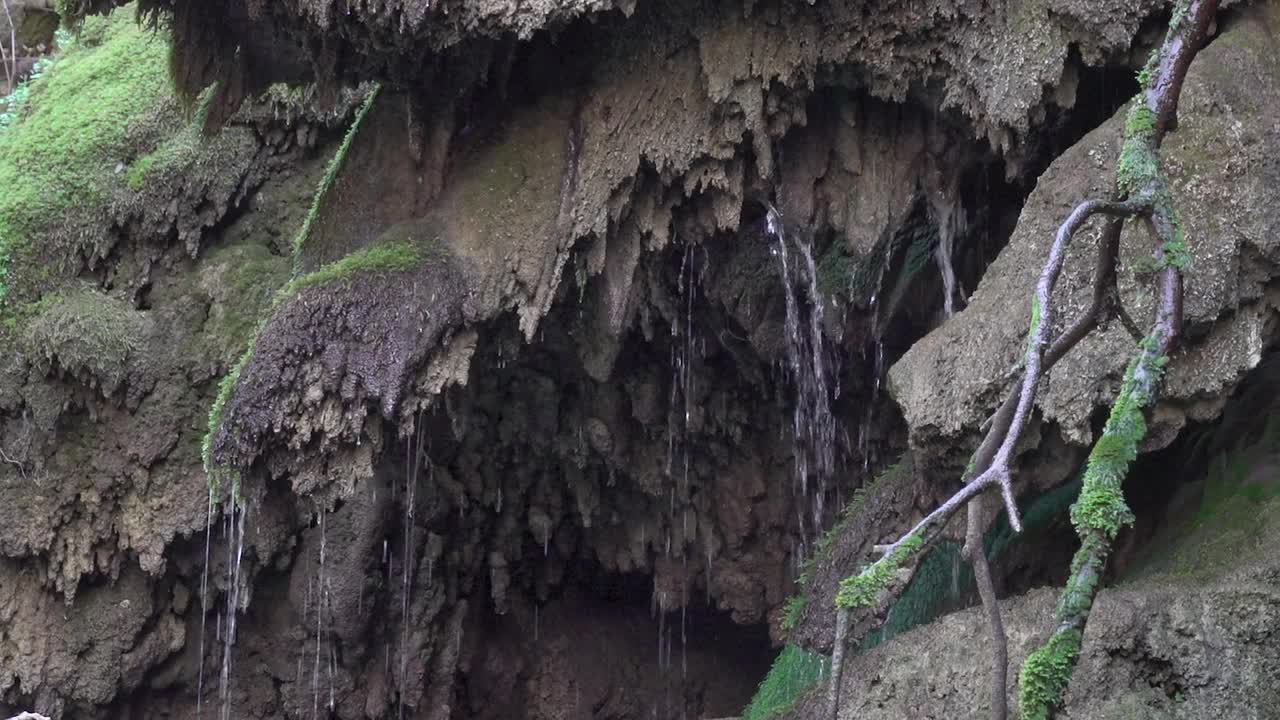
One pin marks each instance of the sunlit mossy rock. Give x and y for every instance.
(102, 148)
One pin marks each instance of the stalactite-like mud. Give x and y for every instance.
(531, 423)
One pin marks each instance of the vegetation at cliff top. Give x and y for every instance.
(74, 132)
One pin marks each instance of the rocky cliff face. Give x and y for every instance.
(539, 404)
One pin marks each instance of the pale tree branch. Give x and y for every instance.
(10, 62)
(1101, 510)
(990, 465)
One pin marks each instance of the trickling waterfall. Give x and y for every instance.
(950, 220)
(204, 606)
(413, 466)
(235, 553)
(813, 425)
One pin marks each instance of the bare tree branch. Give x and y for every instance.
(879, 585)
(1101, 510)
(1141, 191)
(11, 62)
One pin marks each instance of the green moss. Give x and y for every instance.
(1034, 326)
(1233, 520)
(836, 270)
(919, 253)
(251, 276)
(938, 582)
(1077, 596)
(792, 610)
(215, 473)
(1038, 513)
(1045, 675)
(390, 257)
(794, 671)
(1101, 505)
(84, 331)
(331, 174)
(849, 514)
(863, 590)
(58, 159)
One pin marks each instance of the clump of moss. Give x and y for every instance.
(1101, 505)
(794, 671)
(792, 610)
(226, 387)
(850, 512)
(863, 590)
(389, 257)
(937, 582)
(251, 277)
(402, 256)
(1138, 166)
(84, 331)
(1045, 675)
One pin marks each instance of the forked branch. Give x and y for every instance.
(1142, 191)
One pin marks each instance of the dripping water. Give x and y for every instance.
(204, 604)
(413, 455)
(319, 596)
(949, 217)
(813, 426)
(235, 520)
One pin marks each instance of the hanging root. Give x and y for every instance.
(1141, 191)
(1101, 511)
(865, 598)
(976, 554)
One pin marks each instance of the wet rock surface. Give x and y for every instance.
(548, 471)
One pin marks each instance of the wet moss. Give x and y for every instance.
(792, 611)
(850, 513)
(1045, 675)
(836, 270)
(85, 332)
(402, 256)
(252, 276)
(863, 590)
(215, 473)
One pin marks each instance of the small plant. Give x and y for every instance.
(792, 610)
(794, 671)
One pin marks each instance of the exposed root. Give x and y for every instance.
(1141, 192)
(1101, 511)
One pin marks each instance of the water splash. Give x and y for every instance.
(813, 425)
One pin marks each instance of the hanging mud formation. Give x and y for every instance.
(480, 360)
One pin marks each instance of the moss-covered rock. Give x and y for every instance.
(100, 143)
(86, 333)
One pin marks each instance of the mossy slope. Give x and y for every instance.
(100, 143)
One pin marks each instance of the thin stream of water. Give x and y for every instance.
(813, 425)
(204, 605)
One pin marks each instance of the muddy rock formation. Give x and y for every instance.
(505, 415)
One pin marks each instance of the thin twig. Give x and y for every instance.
(11, 63)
